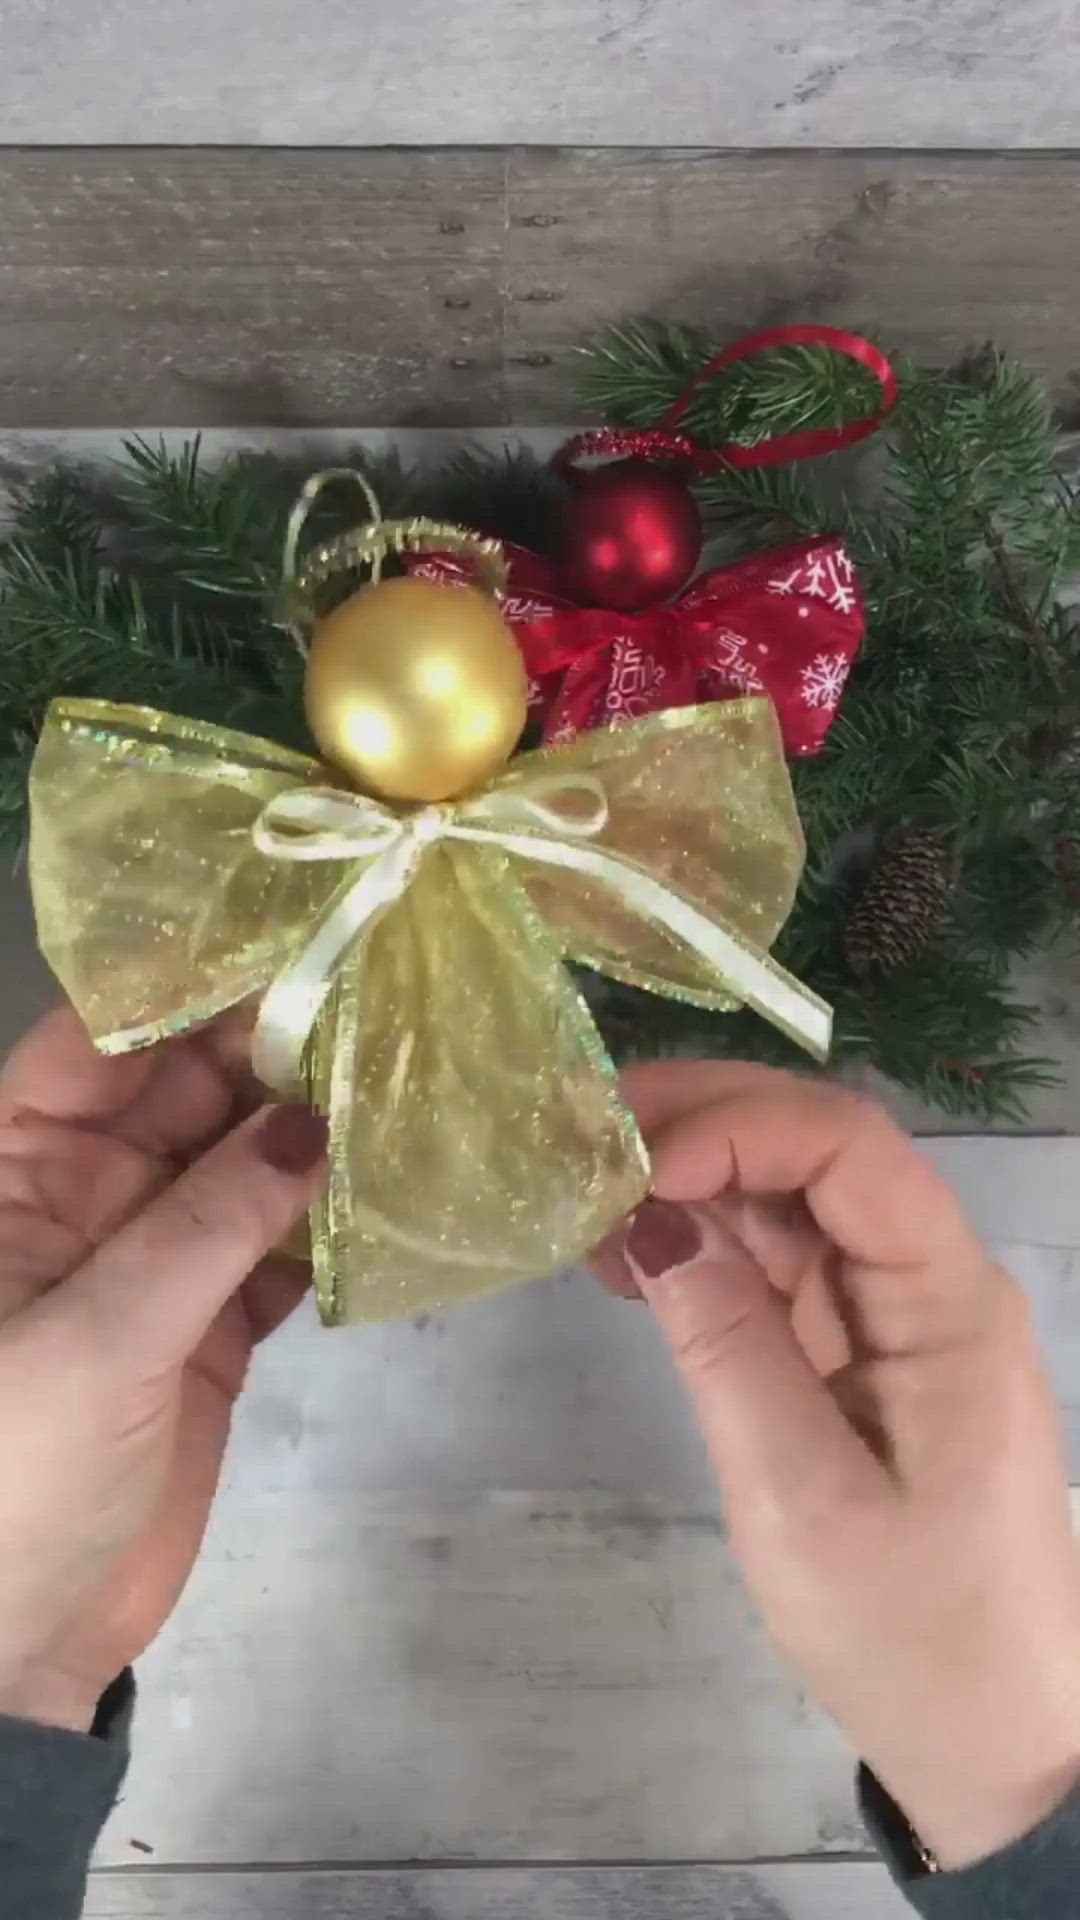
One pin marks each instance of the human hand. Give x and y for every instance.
(135, 1279)
(884, 1437)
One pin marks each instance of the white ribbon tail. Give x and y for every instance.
(294, 1000)
(754, 978)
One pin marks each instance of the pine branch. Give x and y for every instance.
(512, 496)
(153, 585)
(995, 1092)
(634, 374)
(774, 501)
(208, 528)
(1013, 594)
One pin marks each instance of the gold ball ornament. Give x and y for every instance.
(417, 692)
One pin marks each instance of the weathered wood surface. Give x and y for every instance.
(815, 1890)
(327, 72)
(495, 1676)
(395, 1649)
(257, 287)
(453, 287)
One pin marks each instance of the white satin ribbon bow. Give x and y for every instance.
(531, 821)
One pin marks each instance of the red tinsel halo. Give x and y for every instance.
(625, 443)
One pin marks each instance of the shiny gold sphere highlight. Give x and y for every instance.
(417, 692)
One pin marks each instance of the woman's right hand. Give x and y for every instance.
(883, 1433)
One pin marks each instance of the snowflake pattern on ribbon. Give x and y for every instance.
(822, 680)
(522, 606)
(730, 665)
(828, 576)
(786, 622)
(633, 683)
(451, 573)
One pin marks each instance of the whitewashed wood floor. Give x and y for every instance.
(782, 1891)
(904, 73)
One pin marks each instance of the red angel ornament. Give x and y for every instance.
(787, 622)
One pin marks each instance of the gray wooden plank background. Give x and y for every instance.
(402, 288)
(328, 72)
(493, 1676)
(811, 1891)
(466, 1598)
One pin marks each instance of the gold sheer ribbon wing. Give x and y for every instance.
(154, 908)
(700, 799)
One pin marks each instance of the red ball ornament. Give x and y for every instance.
(631, 534)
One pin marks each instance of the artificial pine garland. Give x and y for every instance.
(960, 723)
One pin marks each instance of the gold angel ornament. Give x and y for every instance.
(403, 906)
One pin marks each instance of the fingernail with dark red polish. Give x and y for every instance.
(292, 1139)
(608, 1262)
(661, 1236)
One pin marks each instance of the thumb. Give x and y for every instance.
(156, 1286)
(778, 1441)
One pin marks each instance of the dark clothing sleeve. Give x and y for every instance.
(1037, 1878)
(56, 1789)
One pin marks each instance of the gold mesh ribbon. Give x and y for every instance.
(477, 1137)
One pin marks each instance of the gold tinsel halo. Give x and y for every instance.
(367, 546)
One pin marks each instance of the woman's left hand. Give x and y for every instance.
(136, 1277)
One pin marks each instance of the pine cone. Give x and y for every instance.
(903, 904)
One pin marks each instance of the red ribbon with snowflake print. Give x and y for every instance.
(787, 622)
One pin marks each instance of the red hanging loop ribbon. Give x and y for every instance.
(662, 442)
(808, 441)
